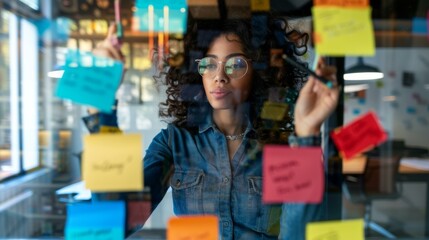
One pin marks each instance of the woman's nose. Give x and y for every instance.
(220, 75)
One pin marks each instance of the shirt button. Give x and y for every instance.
(225, 179)
(225, 224)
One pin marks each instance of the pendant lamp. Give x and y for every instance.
(362, 71)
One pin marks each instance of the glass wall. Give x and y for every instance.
(197, 166)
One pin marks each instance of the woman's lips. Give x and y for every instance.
(219, 93)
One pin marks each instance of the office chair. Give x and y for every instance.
(378, 182)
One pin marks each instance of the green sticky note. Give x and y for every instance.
(274, 111)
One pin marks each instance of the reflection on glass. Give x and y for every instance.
(100, 26)
(86, 27)
(141, 58)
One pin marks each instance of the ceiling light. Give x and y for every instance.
(361, 71)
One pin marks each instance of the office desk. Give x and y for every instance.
(356, 166)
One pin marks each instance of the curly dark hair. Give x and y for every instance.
(186, 102)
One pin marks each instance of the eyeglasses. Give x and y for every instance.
(234, 67)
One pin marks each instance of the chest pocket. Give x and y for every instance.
(262, 217)
(187, 191)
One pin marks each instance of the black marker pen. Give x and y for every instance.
(309, 71)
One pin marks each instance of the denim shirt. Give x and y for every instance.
(205, 181)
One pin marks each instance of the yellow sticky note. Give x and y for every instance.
(260, 5)
(274, 111)
(338, 230)
(109, 129)
(343, 31)
(113, 162)
(196, 227)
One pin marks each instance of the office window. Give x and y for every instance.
(9, 128)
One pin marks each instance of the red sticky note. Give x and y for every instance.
(360, 135)
(292, 174)
(138, 212)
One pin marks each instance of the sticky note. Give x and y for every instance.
(138, 213)
(335, 230)
(90, 80)
(112, 162)
(419, 26)
(343, 31)
(109, 129)
(360, 135)
(342, 3)
(167, 16)
(274, 111)
(292, 174)
(97, 220)
(259, 5)
(193, 227)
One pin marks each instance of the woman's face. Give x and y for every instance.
(227, 87)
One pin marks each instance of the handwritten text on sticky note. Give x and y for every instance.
(292, 174)
(335, 230)
(113, 162)
(90, 80)
(359, 135)
(195, 227)
(88, 221)
(343, 31)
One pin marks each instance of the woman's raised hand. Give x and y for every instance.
(108, 47)
(316, 101)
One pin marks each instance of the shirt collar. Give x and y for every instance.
(208, 123)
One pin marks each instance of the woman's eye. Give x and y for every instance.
(211, 66)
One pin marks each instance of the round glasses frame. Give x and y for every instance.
(219, 63)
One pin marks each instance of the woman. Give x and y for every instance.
(214, 113)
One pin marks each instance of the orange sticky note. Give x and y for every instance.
(292, 174)
(196, 227)
(360, 135)
(342, 3)
(260, 5)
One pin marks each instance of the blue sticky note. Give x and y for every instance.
(419, 26)
(362, 101)
(411, 110)
(162, 15)
(98, 220)
(90, 80)
(59, 29)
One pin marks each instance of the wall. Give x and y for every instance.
(406, 117)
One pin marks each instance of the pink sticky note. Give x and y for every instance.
(360, 135)
(292, 174)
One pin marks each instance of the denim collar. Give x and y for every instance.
(208, 123)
